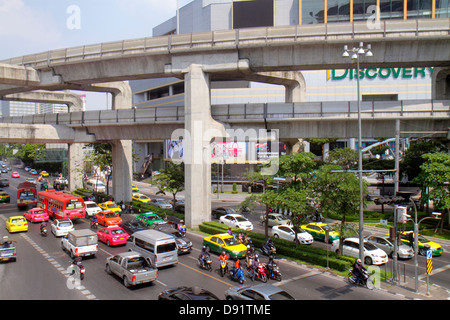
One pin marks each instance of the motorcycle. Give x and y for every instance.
(237, 275)
(260, 273)
(94, 224)
(206, 264)
(273, 272)
(223, 268)
(268, 250)
(44, 231)
(78, 268)
(366, 280)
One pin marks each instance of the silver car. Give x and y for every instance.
(263, 291)
(385, 244)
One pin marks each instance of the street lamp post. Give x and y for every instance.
(416, 242)
(355, 53)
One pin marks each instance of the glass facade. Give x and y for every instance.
(325, 11)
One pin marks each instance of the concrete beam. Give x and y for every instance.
(72, 100)
(18, 75)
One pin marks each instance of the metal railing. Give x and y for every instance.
(238, 113)
(400, 30)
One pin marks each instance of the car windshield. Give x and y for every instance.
(282, 295)
(91, 205)
(65, 224)
(117, 231)
(39, 212)
(423, 239)
(241, 219)
(152, 217)
(110, 215)
(231, 241)
(369, 246)
(112, 205)
(230, 210)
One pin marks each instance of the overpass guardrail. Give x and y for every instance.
(303, 111)
(240, 38)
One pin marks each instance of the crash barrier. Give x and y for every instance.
(303, 253)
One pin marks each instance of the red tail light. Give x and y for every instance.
(133, 279)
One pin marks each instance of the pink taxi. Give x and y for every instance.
(113, 235)
(36, 215)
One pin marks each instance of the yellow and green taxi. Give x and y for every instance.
(44, 174)
(407, 237)
(16, 224)
(109, 205)
(225, 242)
(134, 189)
(4, 197)
(141, 198)
(317, 230)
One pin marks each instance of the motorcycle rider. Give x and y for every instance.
(271, 264)
(43, 225)
(223, 257)
(358, 270)
(269, 245)
(254, 267)
(204, 254)
(235, 267)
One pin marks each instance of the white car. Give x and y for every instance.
(287, 233)
(372, 255)
(237, 221)
(61, 227)
(162, 203)
(92, 208)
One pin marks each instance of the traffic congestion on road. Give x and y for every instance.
(45, 264)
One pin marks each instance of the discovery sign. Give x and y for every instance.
(381, 73)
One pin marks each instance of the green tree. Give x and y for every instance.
(171, 180)
(338, 193)
(435, 175)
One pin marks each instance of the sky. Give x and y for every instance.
(33, 26)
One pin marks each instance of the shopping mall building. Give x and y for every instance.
(377, 84)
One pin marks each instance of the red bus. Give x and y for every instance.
(26, 194)
(60, 205)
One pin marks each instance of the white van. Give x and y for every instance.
(158, 246)
(95, 185)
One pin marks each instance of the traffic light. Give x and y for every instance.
(402, 215)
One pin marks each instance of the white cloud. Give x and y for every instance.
(25, 24)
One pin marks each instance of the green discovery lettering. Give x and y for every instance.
(382, 73)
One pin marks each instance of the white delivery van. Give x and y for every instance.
(158, 246)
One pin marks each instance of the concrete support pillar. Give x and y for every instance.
(122, 172)
(75, 166)
(200, 128)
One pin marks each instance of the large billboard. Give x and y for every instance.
(253, 13)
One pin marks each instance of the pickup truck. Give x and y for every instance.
(132, 268)
(80, 243)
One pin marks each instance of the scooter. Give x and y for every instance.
(206, 264)
(44, 231)
(223, 268)
(237, 275)
(79, 268)
(94, 224)
(366, 280)
(268, 250)
(273, 272)
(260, 273)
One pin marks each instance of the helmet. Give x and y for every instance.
(358, 261)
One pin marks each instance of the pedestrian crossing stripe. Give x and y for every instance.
(429, 266)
